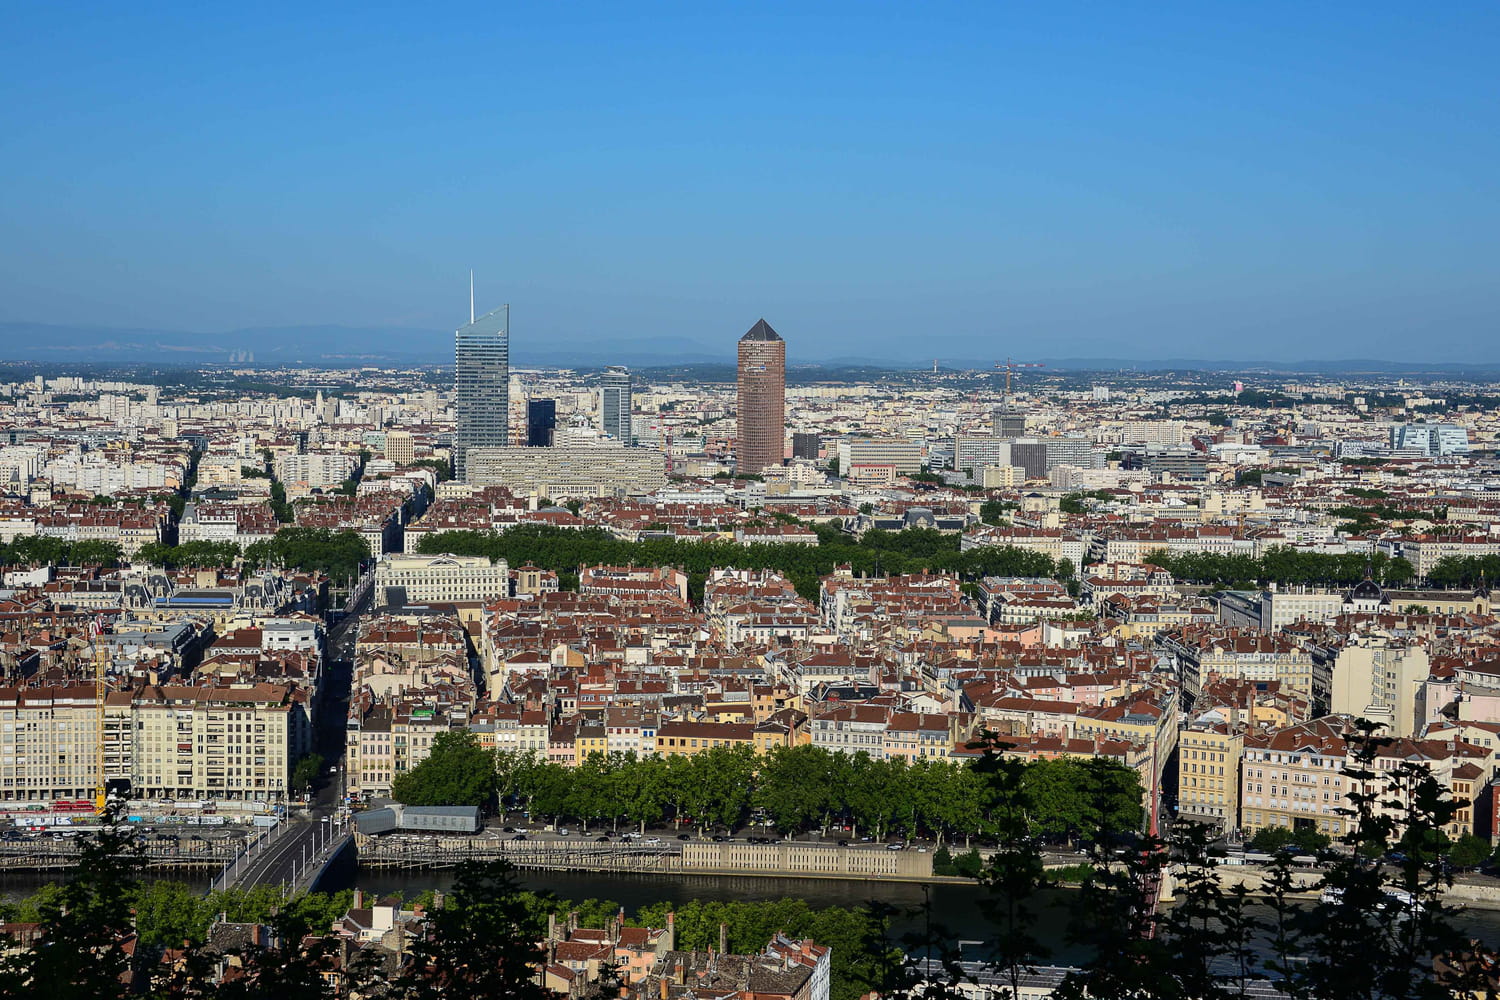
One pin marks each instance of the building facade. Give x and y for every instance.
(604, 469)
(404, 579)
(761, 434)
(615, 405)
(481, 386)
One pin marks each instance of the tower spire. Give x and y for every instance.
(471, 295)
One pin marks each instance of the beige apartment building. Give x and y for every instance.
(1379, 678)
(1208, 783)
(229, 742)
(48, 743)
(1294, 778)
(235, 742)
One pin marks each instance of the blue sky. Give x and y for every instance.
(1265, 181)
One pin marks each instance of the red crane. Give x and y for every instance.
(1010, 366)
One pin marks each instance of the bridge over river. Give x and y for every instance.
(292, 856)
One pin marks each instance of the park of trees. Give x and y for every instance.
(1283, 565)
(42, 550)
(911, 551)
(335, 554)
(789, 791)
(1465, 571)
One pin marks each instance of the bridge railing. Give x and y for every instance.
(322, 843)
(247, 854)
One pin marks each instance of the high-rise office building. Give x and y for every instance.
(761, 437)
(541, 419)
(481, 383)
(806, 444)
(615, 404)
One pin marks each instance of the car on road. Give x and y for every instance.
(519, 836)
(895, 847)
(562, 831)
(684, 836)
(653, 840)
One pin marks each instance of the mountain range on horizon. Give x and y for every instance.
(350, 346)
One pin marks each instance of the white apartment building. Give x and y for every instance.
(423, 579)
(855, 454)
(48, 743)
(1280, 608)
(316, 469)
(586, 470)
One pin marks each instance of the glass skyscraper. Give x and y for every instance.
(616, 404)
(481, 384)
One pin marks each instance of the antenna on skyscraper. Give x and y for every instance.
(471, 295)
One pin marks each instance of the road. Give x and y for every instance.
(301, 838)
(289, 854)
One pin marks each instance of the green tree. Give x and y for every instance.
(167, 914)
(457, 772)
(793, 787)
(481, 943)
(305, 774)
(86, 927)
(1468, 851)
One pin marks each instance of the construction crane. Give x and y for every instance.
(1010, 366)
(101, 674)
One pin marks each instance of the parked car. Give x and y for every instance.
(519, 836)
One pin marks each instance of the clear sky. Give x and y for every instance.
(1252, 180)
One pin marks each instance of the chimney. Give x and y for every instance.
(438, 898)
(663, 983)
(723, 939)
(359, 900)
(551, 927)
(572, 921)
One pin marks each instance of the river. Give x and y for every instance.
(956, 905)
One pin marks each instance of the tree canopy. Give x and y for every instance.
(911, 551)
(457, 772)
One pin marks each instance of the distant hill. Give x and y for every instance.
(341, 346)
